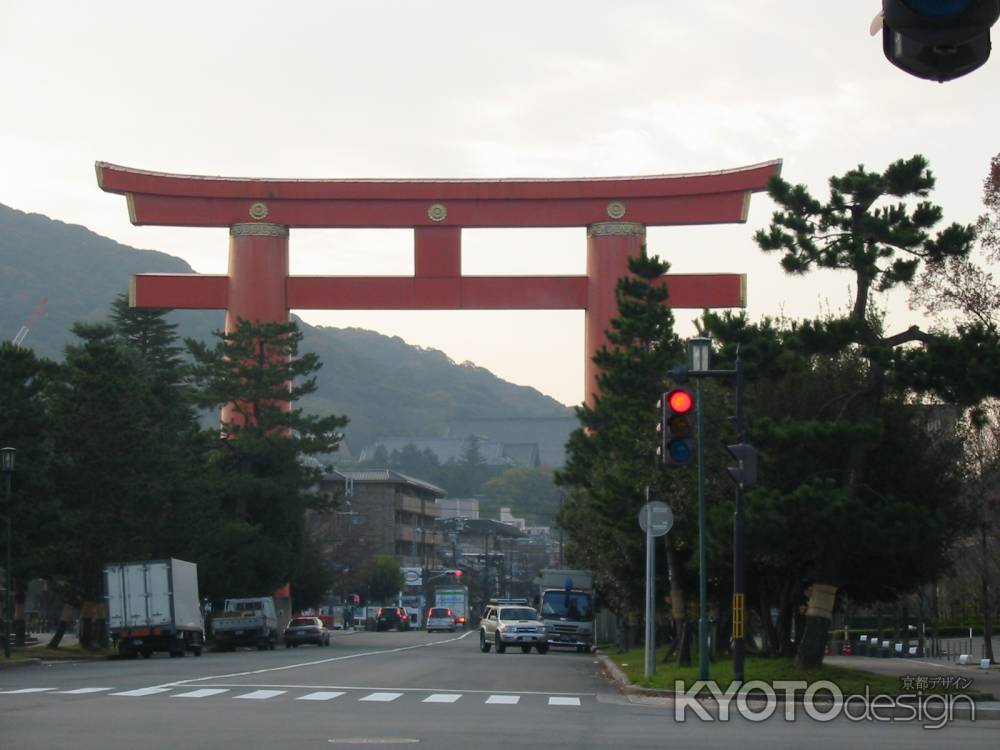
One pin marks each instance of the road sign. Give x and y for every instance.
(657, 515)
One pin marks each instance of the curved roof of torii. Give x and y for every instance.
(195, 200)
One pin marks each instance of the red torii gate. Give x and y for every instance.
(259, 213)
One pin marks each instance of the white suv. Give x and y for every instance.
(512, 625)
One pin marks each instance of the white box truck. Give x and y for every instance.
(152, 606)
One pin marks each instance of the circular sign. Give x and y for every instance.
(657, 516)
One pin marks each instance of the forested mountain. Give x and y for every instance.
(383, 384)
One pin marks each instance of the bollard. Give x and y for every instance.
(963, 659)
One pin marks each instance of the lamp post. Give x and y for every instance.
(699, 361)
(744, 474)
(7, 466)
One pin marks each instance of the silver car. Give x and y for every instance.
(512, 625)
(440, 618)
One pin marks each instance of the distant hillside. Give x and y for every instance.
(383, 384)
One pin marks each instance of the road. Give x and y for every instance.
(390, 689)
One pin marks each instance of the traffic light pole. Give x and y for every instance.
(745, 473)
(739, 609)
(702, 553)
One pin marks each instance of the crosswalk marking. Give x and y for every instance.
(323, 695)
(261, 695)
(203, 693)
(357, 695)
(506, 700)
(563, 701)
(141, 692)
(442, 698)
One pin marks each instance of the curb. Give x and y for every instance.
(618, 676)
(5, 665)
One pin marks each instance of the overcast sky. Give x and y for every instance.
(486, 90)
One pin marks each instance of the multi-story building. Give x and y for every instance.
(382, 512)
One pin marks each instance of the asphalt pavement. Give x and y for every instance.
(391, 689)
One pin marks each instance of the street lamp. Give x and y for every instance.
(699, 363)
(744, 474)
(7, 466)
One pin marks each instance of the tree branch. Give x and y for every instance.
(913, 333)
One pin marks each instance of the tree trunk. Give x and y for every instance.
(20, 628)
(771, 644)
(66, 617)
(687, 638)
(817, 627)
(87, 625)
(678, 607)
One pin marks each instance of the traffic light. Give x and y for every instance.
(455, 573)
(745, 471)
(676, 428)
(937, 39)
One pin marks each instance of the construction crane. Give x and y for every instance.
(23, 332)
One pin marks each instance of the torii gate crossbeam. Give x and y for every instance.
(259, 213)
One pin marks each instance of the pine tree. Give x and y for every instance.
(867, 229)
(264, 466)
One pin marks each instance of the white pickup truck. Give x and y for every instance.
(251, 621)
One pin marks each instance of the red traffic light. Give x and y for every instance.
(680, 401)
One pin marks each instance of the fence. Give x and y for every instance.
(946, 649)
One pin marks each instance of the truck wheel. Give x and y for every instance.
(525, 649)
(543, 648)
(501, 646)
(146, 653)
(196, 650)
(484, 645)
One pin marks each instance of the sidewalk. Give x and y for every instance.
(985, 681)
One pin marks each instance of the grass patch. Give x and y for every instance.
(76, 651)
(850, 681)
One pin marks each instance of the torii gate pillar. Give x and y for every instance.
(610, 244)
(258, 270)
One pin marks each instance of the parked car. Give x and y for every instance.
(392, 618)
(306, 630)
(440, 618)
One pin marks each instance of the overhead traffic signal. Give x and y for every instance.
(937, 39)
(677, 434)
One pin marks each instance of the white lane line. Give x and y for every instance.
(358, 655)
(382, 697)
(505, 700)
(260, 695)
(442, 698)
(22, 691)
(323, 695)
(563, 701)
(142, 692)
(203, 693)
(84, 691)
